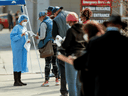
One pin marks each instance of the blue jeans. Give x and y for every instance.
(71, 76)
(63, 88)
(78, 85)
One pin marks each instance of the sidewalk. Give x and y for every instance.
(6, 63)
(33, 88)
(33, 78)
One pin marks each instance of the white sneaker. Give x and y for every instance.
(45, 84)
(57, 82)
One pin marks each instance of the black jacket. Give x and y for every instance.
(54, 30)
(74, 42)
(106, 61)
(10, 18)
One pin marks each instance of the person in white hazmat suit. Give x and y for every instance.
(19, 37)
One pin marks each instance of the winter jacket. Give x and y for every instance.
(74, 42)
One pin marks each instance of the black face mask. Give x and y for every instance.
(87, 18)
(87, 15)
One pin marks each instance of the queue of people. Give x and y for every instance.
(97, 61)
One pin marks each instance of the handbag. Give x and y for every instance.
(47, 50)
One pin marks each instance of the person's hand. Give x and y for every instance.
(22, 34)
(37, 37)
(65, 59)
(71, 59)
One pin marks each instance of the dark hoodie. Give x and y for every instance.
(74, 42)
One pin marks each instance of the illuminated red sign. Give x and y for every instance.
(96, 2)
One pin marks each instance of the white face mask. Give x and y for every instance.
(68, 25)
(24, 24)
(85, 36)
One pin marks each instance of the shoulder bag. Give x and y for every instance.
(47, 50)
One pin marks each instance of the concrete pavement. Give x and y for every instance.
(33, 78)
(32, 89)
(6, 56)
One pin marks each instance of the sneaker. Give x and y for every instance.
(59, 78)
(57, 82)
(45, 84)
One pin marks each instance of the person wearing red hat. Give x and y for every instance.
(74, 44)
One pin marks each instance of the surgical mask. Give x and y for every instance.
(121, 31)
(85, 36)
(24, 24)
(68, 25)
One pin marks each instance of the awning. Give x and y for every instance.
(12, 2)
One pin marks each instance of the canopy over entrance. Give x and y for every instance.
(12, 2)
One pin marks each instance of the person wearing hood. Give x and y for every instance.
(74, 44)
(19, 37)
